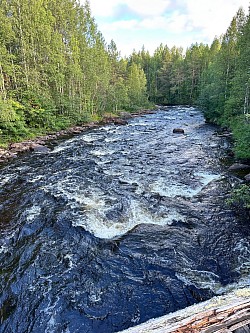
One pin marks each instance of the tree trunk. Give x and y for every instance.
(3, 90)
(246, 102)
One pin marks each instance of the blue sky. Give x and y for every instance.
(134, 23)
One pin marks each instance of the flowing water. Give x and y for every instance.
(118, 225)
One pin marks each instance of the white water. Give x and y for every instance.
(96, 222)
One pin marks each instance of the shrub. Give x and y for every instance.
(240, 200)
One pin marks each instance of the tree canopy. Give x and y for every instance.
(56, 69)
(215, 78)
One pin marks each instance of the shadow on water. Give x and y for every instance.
(118, 225)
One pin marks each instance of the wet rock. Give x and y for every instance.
(91, 125)
(125, 115)
(40, 142)
(75, 130)
(247, 178)
(214, 145)
(225, 135)
(50, 137)
(39, 148)
(119, 121)
(230, 153)
(19, 147)
(114, 120)
(238, 167)
(178, 130)
(11, 155)
(6, 155)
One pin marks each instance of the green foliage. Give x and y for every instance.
(224, 92)
(136, 83)
(241, 134)
(56, 69)
(240, 197)
(12, 118)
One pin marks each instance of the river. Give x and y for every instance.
(118, 225)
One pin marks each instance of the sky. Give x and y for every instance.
(133, 24)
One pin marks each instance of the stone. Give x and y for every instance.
(40, 142)
(12, 155)
(178, 130)
(118, 121)
(19, 147)
(247, 178)
(39, 148)
(238, 167)
(125, 115)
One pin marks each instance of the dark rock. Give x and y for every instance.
(226, 135)
(178, 130)
(40, 142)
(12, 155)
(238, 166)
(118, 121)
(114, 120)
(39, 148)
(125, 115)
(230, 153)
(247, 178)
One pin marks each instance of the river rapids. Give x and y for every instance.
(118, 225)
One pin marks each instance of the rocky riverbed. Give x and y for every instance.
(42, 143)
(117, 225)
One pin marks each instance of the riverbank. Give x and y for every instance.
(41, 143)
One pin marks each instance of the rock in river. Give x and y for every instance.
(238, 167)
(178, 130)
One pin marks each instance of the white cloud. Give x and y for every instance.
(141, 7)
(172, 22)
(148, 7)
(213, 17)
(102, 8)
(119, 25)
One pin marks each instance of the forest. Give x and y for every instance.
(57, 70)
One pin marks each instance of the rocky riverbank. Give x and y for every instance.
(40, 143)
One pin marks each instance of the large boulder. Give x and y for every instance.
(178, 130)
(118, 121)
(39, 148)
(125, 115)
(247, 178)
(239, 167)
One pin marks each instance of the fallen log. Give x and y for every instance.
(223, 314)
